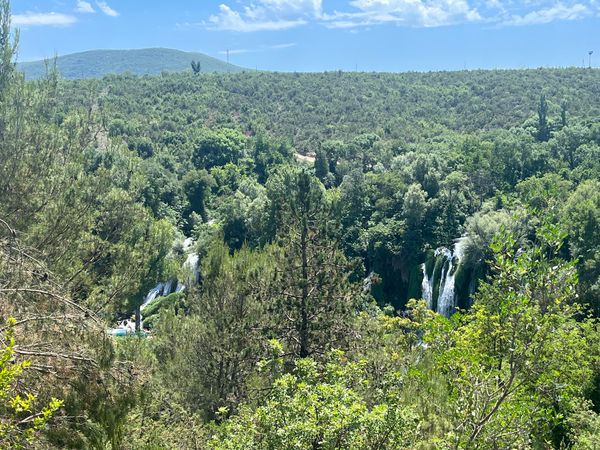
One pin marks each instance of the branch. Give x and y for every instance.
(55, 355)
(59, 297)
(30, 319)
(12, 232)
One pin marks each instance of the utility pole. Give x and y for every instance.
(227, 60)
(590, 58)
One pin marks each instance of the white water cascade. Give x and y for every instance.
(427, 287)
(162, 289)
(445, 303)
(190, 269)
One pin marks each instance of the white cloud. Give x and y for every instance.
(49, 19)
(266, 15)
(107, 9)
(230, 20)
(84, 7)
(259, 15)
(358, 19)
(425, 13)
(557, 12)
(282, 46)
(300, 7)
(237, 51)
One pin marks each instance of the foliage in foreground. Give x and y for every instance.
(21, 415)
(510, 373)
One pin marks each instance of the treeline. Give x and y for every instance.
(303, 331)
(309, 108)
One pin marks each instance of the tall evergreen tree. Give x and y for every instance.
(321, 165)
(313, 298)
(563, 114)
(8, 46)
(543, 132)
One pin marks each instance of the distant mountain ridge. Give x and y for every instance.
(147, 61)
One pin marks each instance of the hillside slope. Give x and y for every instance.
(97, 63)
(309, 108)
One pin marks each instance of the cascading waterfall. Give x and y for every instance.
(446, 299)
(168, 287)
(187, 244)
(445, 302)
(427, 287)
(190, 268)
(162, 289)
(191, 275)
(154, 292)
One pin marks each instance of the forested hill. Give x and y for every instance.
(307, 108)
(97, 63)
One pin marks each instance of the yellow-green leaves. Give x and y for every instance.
(320, 406)
(19, 421)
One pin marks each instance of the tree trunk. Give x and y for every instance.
(304, 300)
(138, 318)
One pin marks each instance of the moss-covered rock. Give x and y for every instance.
(429, 262)
(462, 280)
(152, 309)
(415, 282)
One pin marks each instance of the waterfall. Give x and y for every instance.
(154, 292)
(446, 298)
(191, 264)
(427, 287)
(190, 267)
(187, 244)
(162, 289)
(445, 302)
(168, 288)
(368, 282)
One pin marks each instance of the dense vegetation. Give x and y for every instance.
(145, 61)
(316, 203)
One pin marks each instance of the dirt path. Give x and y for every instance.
(306, 158)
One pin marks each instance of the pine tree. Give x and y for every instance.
(8, 46)
(321, 165)
(196, 66)
(313, 297)
(563, 114)
(209, 355)
(543, 134)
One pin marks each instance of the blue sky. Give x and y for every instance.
(317, 35)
